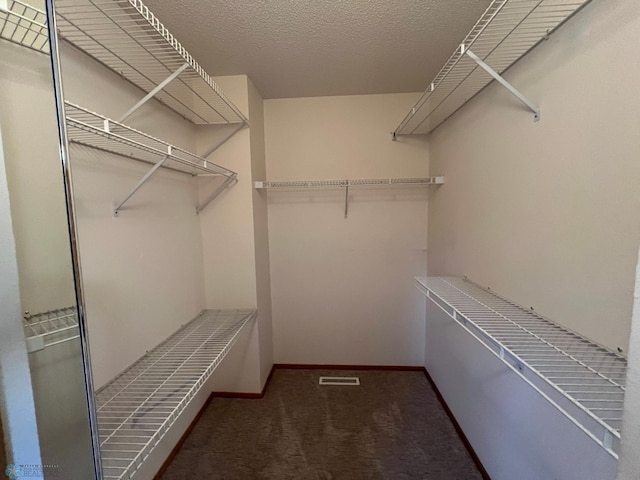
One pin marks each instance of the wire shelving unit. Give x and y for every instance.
(25, 25)
(50, 328)
(332, 184)
(126, 37)
(97, 131)
(506, 31)
(138, 407)
(301, 185)
(584, 379)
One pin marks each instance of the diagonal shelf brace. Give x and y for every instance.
(223, 140)
(153, 92)
(503, 82)
(222, 187)
(143, 180)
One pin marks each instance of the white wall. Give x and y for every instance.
(342, 290)
(261, 230)
(234, 234)
(143, 271)
(547, 213)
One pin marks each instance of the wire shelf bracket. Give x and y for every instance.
(347, 184)
(506, 32)
(96, 131)
(153, 92)
(585, 381)
(24, 25)
(504, 83)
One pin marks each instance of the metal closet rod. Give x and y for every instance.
(346, 184)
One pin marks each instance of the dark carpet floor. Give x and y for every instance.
(390, 427)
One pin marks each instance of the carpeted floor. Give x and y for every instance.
(390, 427)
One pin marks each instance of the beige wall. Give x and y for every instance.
(547, 213)
(142, 272)
(233, 230)
(342, 290)
(261, 231)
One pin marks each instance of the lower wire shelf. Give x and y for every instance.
(50, 328)
(583, 379)
(137, 408)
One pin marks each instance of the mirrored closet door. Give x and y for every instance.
(39, 218)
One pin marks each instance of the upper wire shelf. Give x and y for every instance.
(138, 407)
(329, 184)
(584, 379)
(25, 25)
(50, 328)
(507, 30)
(97, 131)
(126, 37)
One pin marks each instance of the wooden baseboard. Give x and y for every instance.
(192, 425)
(184, 436)
(248, 395)
(456, 425)
(303, 366)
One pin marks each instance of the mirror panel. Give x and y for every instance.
(40, 227)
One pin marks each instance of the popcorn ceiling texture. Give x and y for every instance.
(308, 48)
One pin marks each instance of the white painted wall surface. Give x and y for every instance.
(547, 213)
(230, 249)
(342, 290)
(142, 272)
(261, 231)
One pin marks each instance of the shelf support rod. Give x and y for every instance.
(153, 92)
(223, 140)
(346, 201)
(147, 176)
(217, 191)
(504, 83)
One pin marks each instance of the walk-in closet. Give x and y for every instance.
(358, 239)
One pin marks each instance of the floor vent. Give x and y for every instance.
(339, 381)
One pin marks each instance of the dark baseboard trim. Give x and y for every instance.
(458, 428)
(247, 396)
(192, 425)
(303, 366)
(183, 438)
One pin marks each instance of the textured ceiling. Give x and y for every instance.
(307, 48)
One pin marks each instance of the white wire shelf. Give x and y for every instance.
(506, 31)
(25, 25)
(46, 329)
(301, 185)
(138, 407)
(126, 37)
(584, 379)
(333, 184)
(91, 129)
